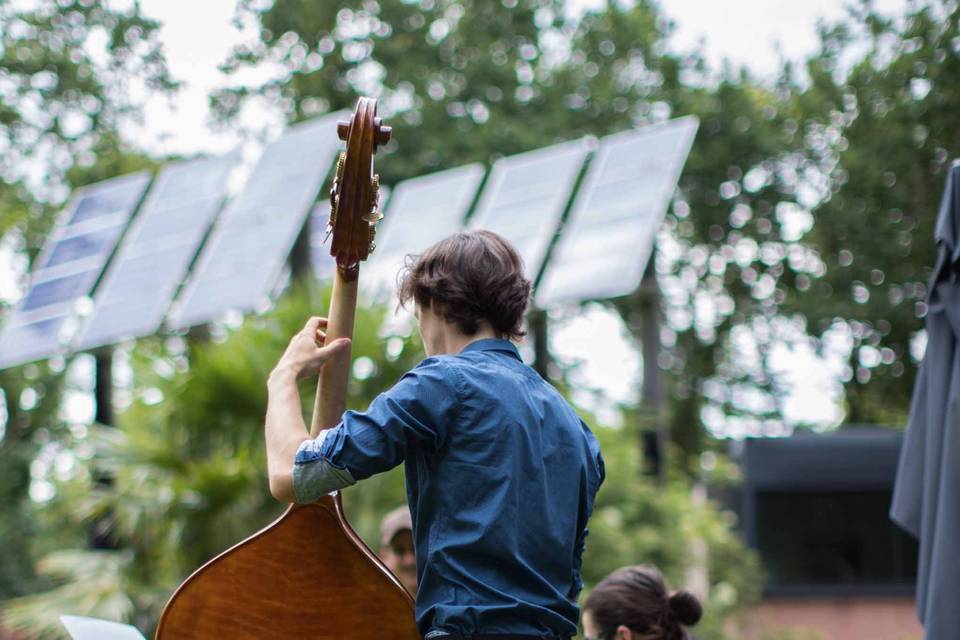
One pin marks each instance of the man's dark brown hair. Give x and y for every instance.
(469, 278)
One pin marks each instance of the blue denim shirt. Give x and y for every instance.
(501, 477)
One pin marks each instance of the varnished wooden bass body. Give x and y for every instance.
(307, 575)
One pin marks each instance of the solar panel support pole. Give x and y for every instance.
(103, 385)
(101, 530)
(541, 353)
(651, 400)
(300, 267)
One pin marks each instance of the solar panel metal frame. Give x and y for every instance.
(245, 215)
(577, 270)
(19, 344)
(191, 192)
(433, 206)
(497, 200)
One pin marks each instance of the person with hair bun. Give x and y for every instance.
(634, 603)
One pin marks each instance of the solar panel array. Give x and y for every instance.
(602, 252)
(242, 263)
(423, 211)
(608, 239)
(139, 286)
(526, 196)
(70, 264)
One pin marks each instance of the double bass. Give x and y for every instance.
(309, 575)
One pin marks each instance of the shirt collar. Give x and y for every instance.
(492, 344)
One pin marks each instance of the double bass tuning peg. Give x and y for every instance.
(381, 132)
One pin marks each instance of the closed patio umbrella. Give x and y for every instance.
(926, 497)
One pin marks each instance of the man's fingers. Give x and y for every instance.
(335, 347)
(314, 323)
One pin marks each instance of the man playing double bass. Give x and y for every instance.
(501, 474)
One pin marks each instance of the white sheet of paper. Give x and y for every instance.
(81, 628)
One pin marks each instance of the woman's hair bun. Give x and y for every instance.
(685, 607)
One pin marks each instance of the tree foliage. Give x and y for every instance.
(73, 75)
(882, 127)
(465, 80)
(804, 217)
(188, 465)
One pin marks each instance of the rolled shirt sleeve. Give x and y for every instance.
(416, 411)
(313, 475)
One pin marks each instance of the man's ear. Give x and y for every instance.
(624, 633)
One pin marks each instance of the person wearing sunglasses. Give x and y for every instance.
(634, 603)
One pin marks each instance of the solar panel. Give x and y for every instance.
(153, 260)
(71, 262)
(526, 195)
(241, 265)
(423, 211)
(323, 263)
(607, 241)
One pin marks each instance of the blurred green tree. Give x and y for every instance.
(188, 463)
(72, 75)
(75, 73)
(797, 216)
(879, 126)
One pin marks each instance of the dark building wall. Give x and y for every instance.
(816, 509)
